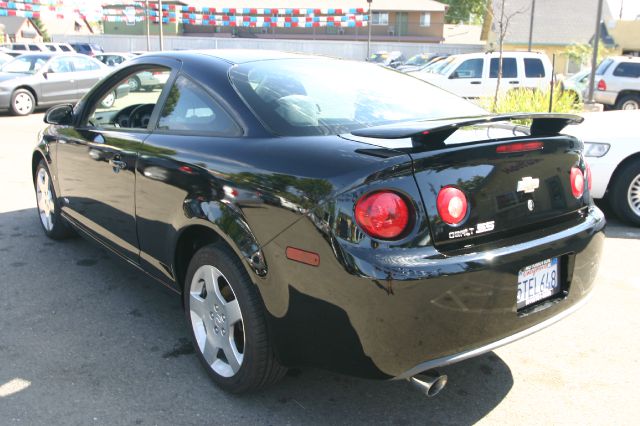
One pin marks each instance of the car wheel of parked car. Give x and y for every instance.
(109, 100)
(22, 102)
(628, 102)
(227, 322)
(134, 84)
(53, 224)
(625, 193)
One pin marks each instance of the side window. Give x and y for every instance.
(34, 47)
(51, 48)
(189, 108)
(471, 68)
(123, 108)
(533, 68)
(60, 65)
(627, 69)
(64, 48)
(19, 47)
(84, 64)
(509, 68)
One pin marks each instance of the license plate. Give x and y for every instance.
(537, 282)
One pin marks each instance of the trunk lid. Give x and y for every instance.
(507, 192)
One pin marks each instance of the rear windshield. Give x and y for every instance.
(602, 68)
(298, 97)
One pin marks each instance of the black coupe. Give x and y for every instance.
(323, 212)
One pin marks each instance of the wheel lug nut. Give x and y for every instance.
(224, 331)
(216, 329)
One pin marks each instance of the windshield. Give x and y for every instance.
(444, 66)
(418, 60)
(322, 97)
(25, 64)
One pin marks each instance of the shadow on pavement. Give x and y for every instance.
(101, 342)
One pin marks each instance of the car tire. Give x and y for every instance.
(109, 100)
(22, 102)
(53, 224)
(624, 195)
(628, 102)
(134, 84)
(227, 322)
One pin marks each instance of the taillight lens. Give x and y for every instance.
(452, 205)
(577, 182)
(602, 85)
(383, 214)
(589, 178)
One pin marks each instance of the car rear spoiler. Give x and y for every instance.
(435, 132)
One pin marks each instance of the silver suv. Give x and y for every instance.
(618, 82)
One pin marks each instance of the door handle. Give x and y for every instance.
(117, 164)
(475, 82)
(514, 82)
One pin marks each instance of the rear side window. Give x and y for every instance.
(471, 68)
(604, 65)
(34, 47)
(533, 68)
(19, 47)
(84, 64)
(627, 69)
(190, 109)
(51, 48)
(509, 68)
(64, 48)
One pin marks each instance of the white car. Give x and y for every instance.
(612, 150)
(474, 75)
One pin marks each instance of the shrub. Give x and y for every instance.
(529, 100)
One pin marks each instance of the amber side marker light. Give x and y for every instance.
(303, 256)
(519, 147)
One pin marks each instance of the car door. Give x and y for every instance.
(466, 79)
(87, 72)
(97, 161)
(509, 78)
(58, 83)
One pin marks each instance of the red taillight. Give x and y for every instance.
(602, 85)
(452, 205)
(577, 182)
(382, 214)
(519, 147)
(589, 178)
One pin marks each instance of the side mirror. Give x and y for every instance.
(454, 75)
(59, 114)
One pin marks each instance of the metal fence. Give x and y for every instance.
(341, 49)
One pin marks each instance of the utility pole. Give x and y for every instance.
(533, 9)
(369, 25)
(161, 17)
(146, 19)
(594, 58)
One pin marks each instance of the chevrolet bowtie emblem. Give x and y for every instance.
(528, 184)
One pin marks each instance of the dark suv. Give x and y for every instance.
(90, 49)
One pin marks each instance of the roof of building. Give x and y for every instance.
(556, 22)
(383, 5)
(12, 24)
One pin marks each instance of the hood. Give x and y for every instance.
(5, 76)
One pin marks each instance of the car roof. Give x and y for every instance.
(625, 58)
(235, 56)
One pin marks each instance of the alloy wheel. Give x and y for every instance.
(217, 321)
(46, 203)
(633, 195)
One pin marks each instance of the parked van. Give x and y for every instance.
(25, 47)
(474, 75)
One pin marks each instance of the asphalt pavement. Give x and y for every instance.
(86, 339)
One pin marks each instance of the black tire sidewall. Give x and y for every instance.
(13, 98)
(626, 98)
(252, 316)
(620, 188)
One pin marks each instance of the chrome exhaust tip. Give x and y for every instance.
(429, 383)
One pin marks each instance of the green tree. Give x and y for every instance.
(465, 11)
(583, 52)
(42, 29)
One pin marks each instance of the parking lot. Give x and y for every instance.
(86, 339)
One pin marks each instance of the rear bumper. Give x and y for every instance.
(391, 315)
(604, 97)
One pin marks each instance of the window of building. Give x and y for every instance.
(533, 68)
(189, 108)
(471, 68)
(509, 68)
(380, 18)
(627, 69)
(425, 19)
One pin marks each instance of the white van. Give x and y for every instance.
(474, 75)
